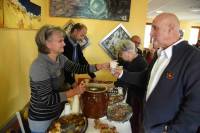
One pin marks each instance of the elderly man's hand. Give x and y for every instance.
(117, 72)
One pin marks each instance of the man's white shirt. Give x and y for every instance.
(164, 56)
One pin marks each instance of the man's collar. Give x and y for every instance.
(72, 41)
(168, 51)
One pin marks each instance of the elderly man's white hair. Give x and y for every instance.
(125, 45)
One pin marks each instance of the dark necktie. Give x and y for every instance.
(74, 58)
(75, 54)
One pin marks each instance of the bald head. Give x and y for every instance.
(170, 19)
(136, 39)
(165, 30)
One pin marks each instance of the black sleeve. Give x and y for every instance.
(83, 61)
(69, 78)
(136, 78)
(92, 75)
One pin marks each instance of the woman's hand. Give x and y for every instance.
(77, 90)
(80, 88)
(74, 84)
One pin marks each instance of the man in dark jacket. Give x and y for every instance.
(172, 101)
(137, 41)
(73, 51)
(197, 45)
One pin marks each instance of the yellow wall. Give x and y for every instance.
(17, 51)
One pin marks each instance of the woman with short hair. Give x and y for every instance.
(132, 62)
(47, 78)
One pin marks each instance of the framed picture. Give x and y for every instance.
(118, 10)
(110, 41)
(68, 26)
(24, 13)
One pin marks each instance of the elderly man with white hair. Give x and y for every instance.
(132, 62)
(172, 101)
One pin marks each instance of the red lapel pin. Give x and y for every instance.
(170, 75)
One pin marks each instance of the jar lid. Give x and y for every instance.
(96, 89)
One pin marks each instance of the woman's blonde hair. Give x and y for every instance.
(43, 34)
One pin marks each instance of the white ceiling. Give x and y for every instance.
(182, 8)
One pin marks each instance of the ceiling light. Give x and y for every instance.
(159, 11)
(195, 10)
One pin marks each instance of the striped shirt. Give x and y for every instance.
(46, 81)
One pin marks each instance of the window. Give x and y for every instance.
(194, 34)
(147, 38)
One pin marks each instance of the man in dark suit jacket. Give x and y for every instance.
(137, 41)
(197, 45)
(73, 51)
(172, 102)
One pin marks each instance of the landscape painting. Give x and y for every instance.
(118, 10)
